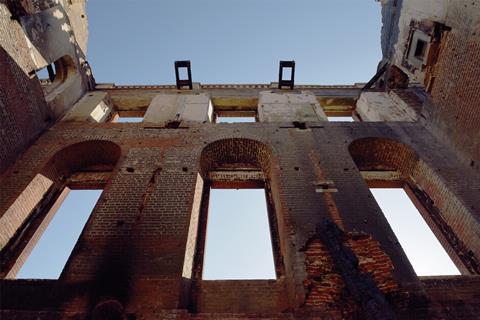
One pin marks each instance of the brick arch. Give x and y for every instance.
(236, 152)
(92, 155)
(65, 68)
(231, 154)
(449, 219)
(31, 210)
(383, 154)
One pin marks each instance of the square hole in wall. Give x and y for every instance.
(128, 117)
(342, 116)
(235, 116)
(418, 49)
(341, 119)
(183, 73)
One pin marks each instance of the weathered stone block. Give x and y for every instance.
(383, 106)
(283, 107)
(186, 107)
(93, 107)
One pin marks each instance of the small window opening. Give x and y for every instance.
(128, 117)
(54, 247)
(183, 74)
(286, 74)
(235, 119)
(238, 242)
(47, 75)
(342, 115)
(341, 119)
(235, 116)
(420, 49)
(421, 246)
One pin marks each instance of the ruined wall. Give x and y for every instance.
(133, 249)
(24, 112)
(455, 95)
(32, 35)
(140, 254)
(452, 78)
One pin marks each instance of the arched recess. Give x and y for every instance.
(89, 156)
(236, 153)
(83, 165)
(383, 154)
(235, 163)
(388, 163)
(64, 69)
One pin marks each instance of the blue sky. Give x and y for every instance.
(238, 244)
(422, 248)
(54, 247)
(232, 41)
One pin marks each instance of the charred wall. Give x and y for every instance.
(133, 247)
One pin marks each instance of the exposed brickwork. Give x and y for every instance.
(373, 261)
(237, 152)
(441, 209)
(325, 287)
(140, 254)
(239, 296)
(135, 240)
(24, 112)
(455, 94)
(455, 297)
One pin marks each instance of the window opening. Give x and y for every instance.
(235, 119)
(49, 256)
(420, 49)
(182, 81)
(128, 116)
(286, 73)
(238, 238)
(417, 49)
(235, 116)
(341, 119)
(283, 79)
(47, 74)
(421, 246)
(183, 73)
(129, 119)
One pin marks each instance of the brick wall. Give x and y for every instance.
(326, 290)
(455, 94)
(24, 112)
(133, 247)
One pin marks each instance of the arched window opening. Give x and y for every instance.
(55, 207)
(55, 74)
(51, 252)
(388, 167)
(238, 237)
